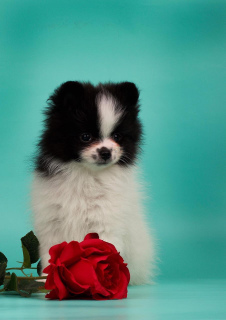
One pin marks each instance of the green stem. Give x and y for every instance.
(18, 268)
(28, 278)
(24, 272)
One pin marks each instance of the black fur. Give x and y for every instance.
(72, 110)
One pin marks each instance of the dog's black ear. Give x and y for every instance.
(128, 93)
(68, 96)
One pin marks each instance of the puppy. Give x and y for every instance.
(85, 177)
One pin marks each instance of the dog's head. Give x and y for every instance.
(97, 126)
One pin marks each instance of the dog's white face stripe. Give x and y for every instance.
(108, 113)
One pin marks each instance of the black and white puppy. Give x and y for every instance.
(85, 177)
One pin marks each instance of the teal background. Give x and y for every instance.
(193, 300)
(175, 52)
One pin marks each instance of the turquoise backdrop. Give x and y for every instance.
(175, 52)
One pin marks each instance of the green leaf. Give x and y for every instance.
(27, 261)
(30, 286)
(39, 268)
(31, 243)
(12, 285)
(2, 272)
(24, 286)
(6, 281)
(43, 290)
(3, 258)
(24, 294)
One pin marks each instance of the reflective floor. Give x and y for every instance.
(204, 299)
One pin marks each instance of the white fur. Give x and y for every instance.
(108, 113)
(78, 200)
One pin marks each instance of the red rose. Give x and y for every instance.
(90, 269)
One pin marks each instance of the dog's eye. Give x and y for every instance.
(117, 137)
(86, 137)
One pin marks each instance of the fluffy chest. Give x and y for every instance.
(80, 191)
(76, 202)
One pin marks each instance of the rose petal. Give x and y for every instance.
(111, 246)
(98, 244)
(55, 251)
(100, 272)
(97, 296)
(111, 278)
(96, 258)
(71, 253)
(102, 266)
(116, 258)
(48, 269)
(122, 287)
(62, 290)
(50, 284)
(52, 294)
(72, 285)
(91, 236)
(125, 270)
(83, 272)
(99, 289)
(92, 250)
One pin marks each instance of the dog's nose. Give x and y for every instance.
(104, 153)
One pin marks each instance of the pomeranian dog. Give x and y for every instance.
(85, 177)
